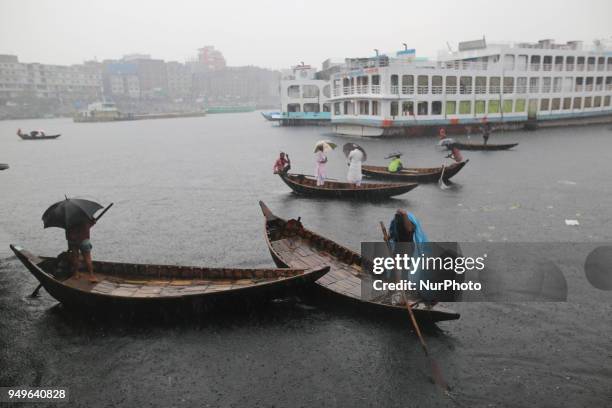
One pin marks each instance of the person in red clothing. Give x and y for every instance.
(455, 154)
(282, 164)
(79, 242)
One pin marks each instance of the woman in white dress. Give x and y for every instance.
(355, 158)
(321, 160)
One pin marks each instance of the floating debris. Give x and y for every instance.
(567, 182)
(572, 222)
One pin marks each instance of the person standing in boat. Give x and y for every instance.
(282, 164)
(396, 164)
(321, 161)
(78, 238)
(486, 132)
(455, 154)
(355, 158)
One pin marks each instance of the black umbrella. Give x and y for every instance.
(349, 147)
(70, 212)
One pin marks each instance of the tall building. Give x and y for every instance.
(179, 80)
(211, 59)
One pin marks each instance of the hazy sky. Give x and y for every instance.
(277, 34)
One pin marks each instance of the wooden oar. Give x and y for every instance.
(435, 368)
(441, 182)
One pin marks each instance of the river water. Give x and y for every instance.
(186, 191)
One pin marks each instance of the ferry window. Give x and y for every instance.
(547, 63)
(436, 84)
(293, 91)
(346, 82)
(607, 100)
(375, 108)
(422, 108)
(597, 102)
(556, 104)
(451, 107)
(567, 103)
(310, 91)
(480, 85)
(494, 84)
(312, 107)
(293, 107)
(587, 102)
(436, 108)
(544, 104)
(521, 85)
(546, 84)
(465, 107)
(567, 84)
(375, 79)
(479, 107)
(609, 63)
(493, 106)
(364, 107)
(465, 85)
(521, 63)
(348, 108)
(569, 63)
(423, 82)
(394, 108)
(557, 84)
(519, 105)
(580, 63)
(407, 84)
(394, 80)
(326, 91)
(337, 108)
(508, 84)
(590, 65)
(579, 82)
(608, 83)
(535, 62)
(451, 85)
(407, 108)
(599, 83)
(508, 106)
(534, 85)
(509, 62)
(589, 84)
(578, 103)
(326, 107)
(601, 61)
(558, 63)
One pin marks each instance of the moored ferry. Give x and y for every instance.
(512, 85)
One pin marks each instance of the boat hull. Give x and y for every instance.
(483, 147)
(344, 281)
(178, 293)
(306, 186)
(46, 137)
(4, 166)
(420, 175)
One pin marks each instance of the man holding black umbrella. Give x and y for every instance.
(78, 238)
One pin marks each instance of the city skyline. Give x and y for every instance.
(79, 32)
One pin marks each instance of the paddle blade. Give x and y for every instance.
(436, 373)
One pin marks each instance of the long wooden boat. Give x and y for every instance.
(291, 245)
(418, 174)
(481, 146)
(45, 137)
(4, 166)
(131, 285)
(305, 185)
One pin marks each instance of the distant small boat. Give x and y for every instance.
(272, 116)
(4, 166)
(25, 136)
(126, 285)
(417, 174)
(305, 185)
(481, 146)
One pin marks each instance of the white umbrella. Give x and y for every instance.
(327, 145)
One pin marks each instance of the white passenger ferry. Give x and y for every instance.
(524, 84)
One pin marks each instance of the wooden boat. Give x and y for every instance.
(481, 146)
(293, 246)
(418, 174)
(131, 285)
(25, 136)
(305, 185)
(4, 166)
